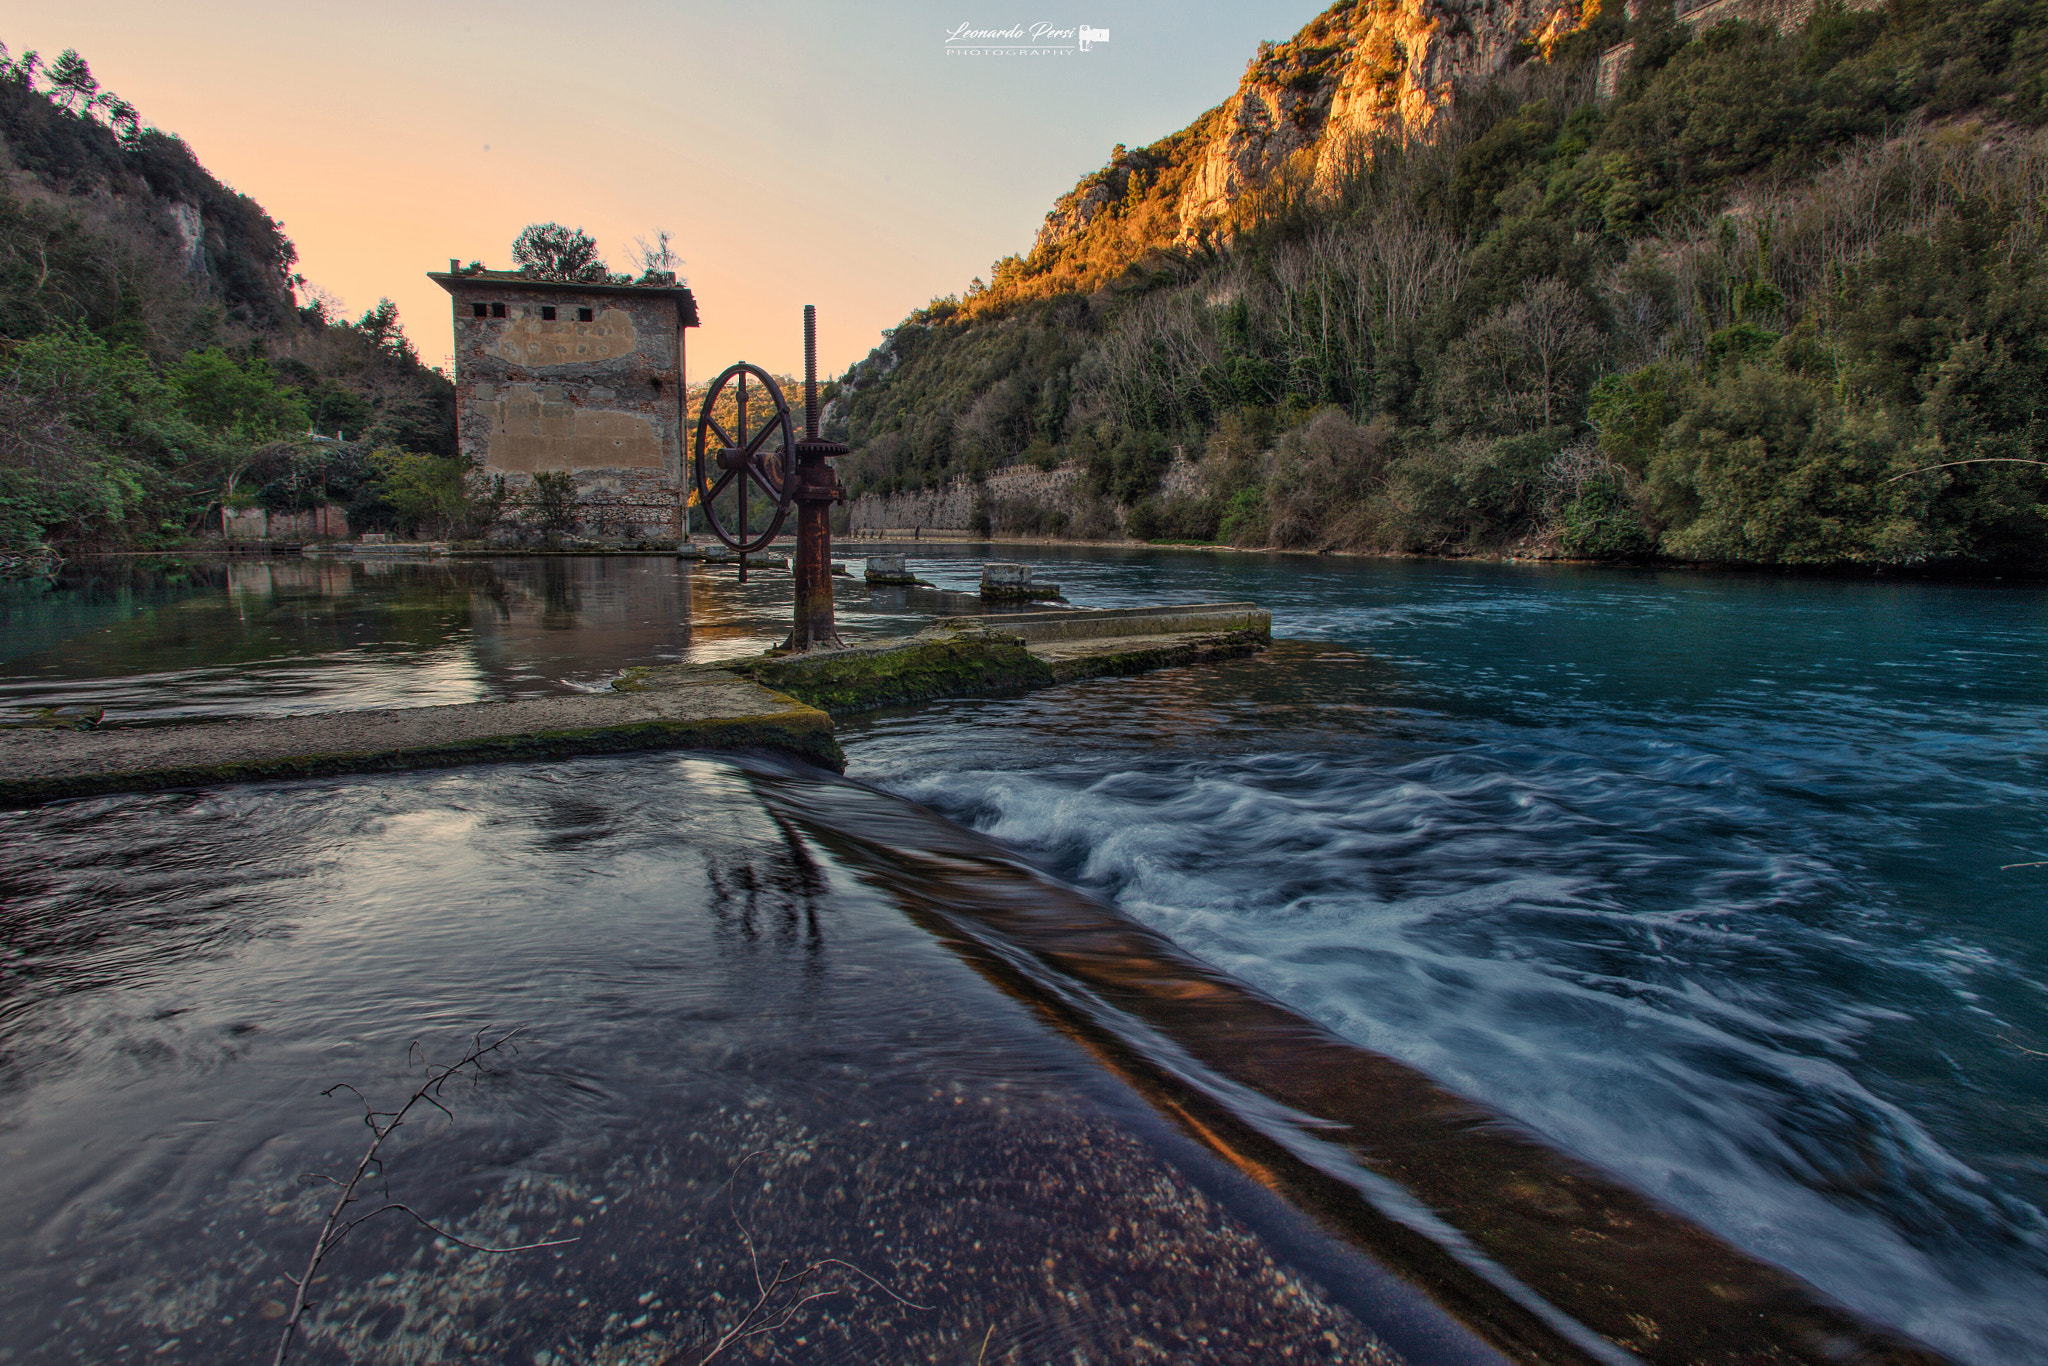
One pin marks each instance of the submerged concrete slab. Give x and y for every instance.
(1109, 656)
(1173, 619)
(781, 703)
(713, 711)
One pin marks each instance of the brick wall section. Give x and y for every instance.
(600, 398)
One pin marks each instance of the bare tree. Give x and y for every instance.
(1553, 331)
(656, 256)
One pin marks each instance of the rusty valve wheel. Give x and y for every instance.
(756, 454)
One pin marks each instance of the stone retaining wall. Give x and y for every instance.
(951, 507)
(1787, 15)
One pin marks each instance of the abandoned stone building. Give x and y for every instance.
(578, 376)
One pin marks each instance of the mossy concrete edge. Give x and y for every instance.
(951, 663)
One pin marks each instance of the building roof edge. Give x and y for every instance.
(448, 280)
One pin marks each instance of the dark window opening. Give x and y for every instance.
(497, 310)
(547, 313)
(582, 315)
(478, 310)
(657, 386)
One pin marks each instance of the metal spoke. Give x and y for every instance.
(762, 435)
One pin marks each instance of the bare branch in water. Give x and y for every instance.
(382, 1124)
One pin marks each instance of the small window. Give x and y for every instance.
(479, 310)
(582, 315)
(547, 313)
(497, 310)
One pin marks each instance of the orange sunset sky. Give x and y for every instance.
(798, 153)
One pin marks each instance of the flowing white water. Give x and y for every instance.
(1698, 877)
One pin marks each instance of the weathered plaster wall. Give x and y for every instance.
(599, 399)
(536, 342)
(535, 427)
(326, 522)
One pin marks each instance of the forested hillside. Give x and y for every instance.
(1782, 298)
(159, 356)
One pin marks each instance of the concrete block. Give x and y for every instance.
(1012, 583)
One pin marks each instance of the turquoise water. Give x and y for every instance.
(1705, 878)
(1714, 882)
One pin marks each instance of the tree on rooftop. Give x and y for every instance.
(554, 252)
(656, 257)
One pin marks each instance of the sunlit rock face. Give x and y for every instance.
(1304, 106)
(1351, 75)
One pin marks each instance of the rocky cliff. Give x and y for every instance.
(128, 211)
(1361, 69)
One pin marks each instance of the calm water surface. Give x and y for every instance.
(1703, 878)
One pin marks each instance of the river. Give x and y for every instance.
(1717, 883)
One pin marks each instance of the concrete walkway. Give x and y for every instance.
(715, 711)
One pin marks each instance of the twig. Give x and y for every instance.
(1979, 460)
(2003, 866)
(383, 1123)
(764, 1316)
(2030, 1052)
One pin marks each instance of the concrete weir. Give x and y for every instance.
(772, 702)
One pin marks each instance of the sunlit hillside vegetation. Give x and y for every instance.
(159, 357)
(1783, 299)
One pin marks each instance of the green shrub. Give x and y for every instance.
(1768, 468)
(1243, 521)
(1602, 524)
(553, 501)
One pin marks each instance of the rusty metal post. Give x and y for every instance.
(817, 489)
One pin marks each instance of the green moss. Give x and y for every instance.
(980, 664)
